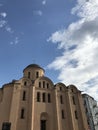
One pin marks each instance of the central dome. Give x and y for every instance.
(33, 66)
(33, 71)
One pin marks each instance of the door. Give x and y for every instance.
(43, 125)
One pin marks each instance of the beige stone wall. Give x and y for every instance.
(5, 104)
(59, 113)
(78, 116)
(33, 73)
(44, 110)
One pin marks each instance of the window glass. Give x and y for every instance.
(25, 83)
(47, 85)
(22, 113)
(63, 116)
(61, 99)
(29, 74)
(43, 84)
(38, 96)
(39, 84)
(6, 126)
(37, 74)
(73, 99)
(24, 96)
(76, 116)
(49, 97)
(60, 88)
(44, 97)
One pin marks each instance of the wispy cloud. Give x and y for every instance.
(5, 25)
(2, 23)
(1, 4)
(78, 63)
(38, 12)
(9, 29)
(15, 41)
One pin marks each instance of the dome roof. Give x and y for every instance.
(33, 66)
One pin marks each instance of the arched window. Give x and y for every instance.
(25, 83)
(43, 84)
(24, 96)
(29, 74)
(39, 84)
(44, 97)
(49, 97)
(38, 96)
(76, 115)
(37, 74)
(63, 115)
(22, 113)
(61, 99)
(47, 85)
(73, 99)
(44, 121)
(60, 88)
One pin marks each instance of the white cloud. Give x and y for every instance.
(78, 63)
(3, 14)
(44, 2)
(86, 9)
(38, 12)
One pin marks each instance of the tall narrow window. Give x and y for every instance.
(22, 113)
(39, 84)
(72, 89)
(6, 126)
(29, 74)
(60, 88)
(73, 99)
(24, 96)
(37, 74)
(44, 97)
(43, 84)
(47, 85)
(25, 83)
(62, 112)
(49, 97)
(38, 96)
(84, 102)
(61, 99)
(76, 115)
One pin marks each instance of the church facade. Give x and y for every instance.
(35, 103)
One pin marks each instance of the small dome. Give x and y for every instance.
(33, 66)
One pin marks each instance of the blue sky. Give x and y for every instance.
(61, 36)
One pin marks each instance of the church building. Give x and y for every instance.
(34, 102)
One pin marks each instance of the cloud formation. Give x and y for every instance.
(78, 63)
(3, 14)
(43, 2)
